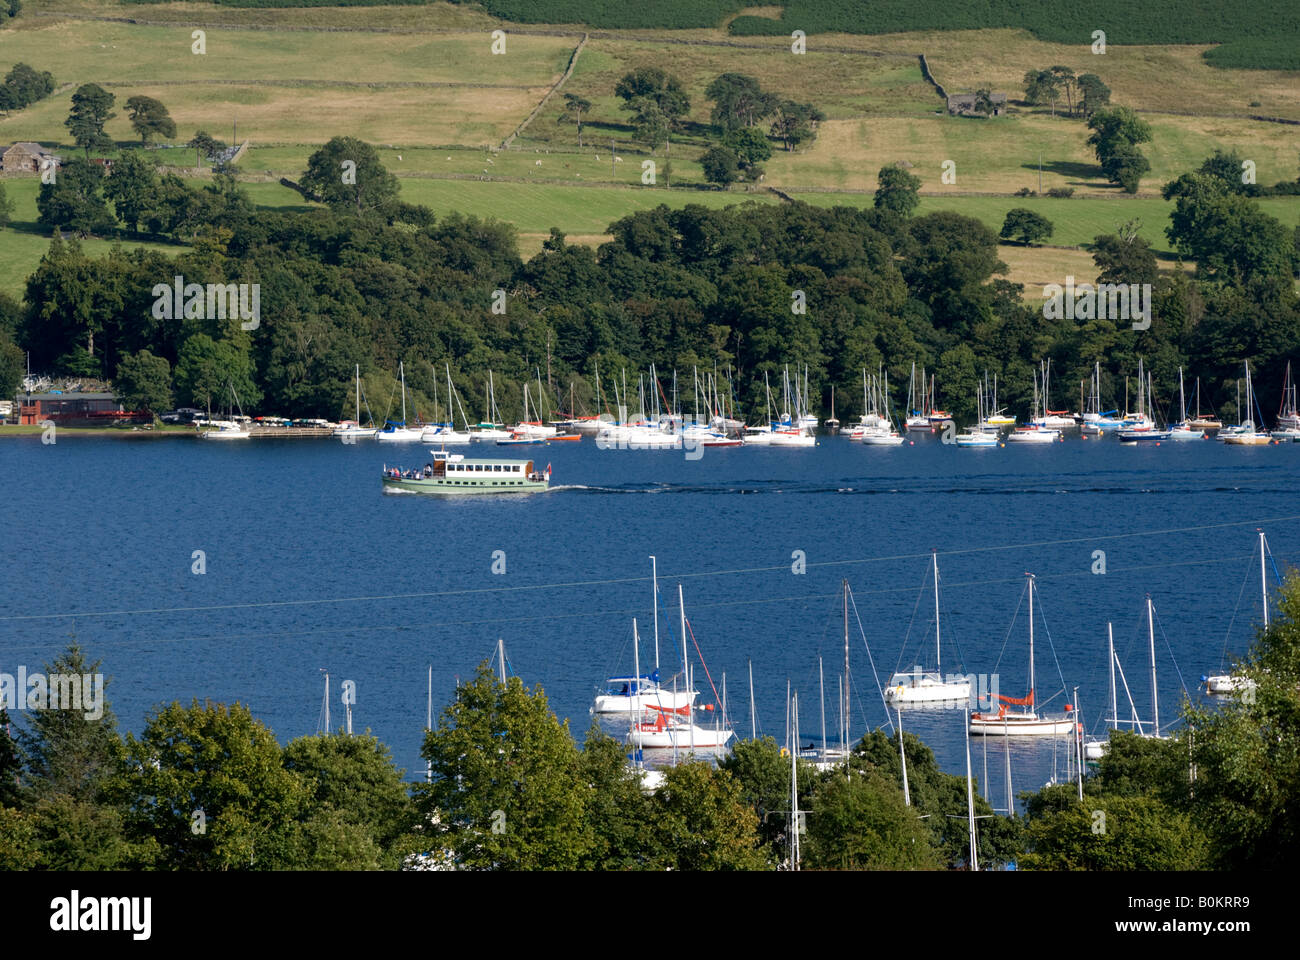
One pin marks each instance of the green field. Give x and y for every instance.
(296, 87)
(23, 244)
(436, 102)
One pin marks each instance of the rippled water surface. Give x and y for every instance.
(310, 565)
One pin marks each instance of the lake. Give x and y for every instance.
(310, 566)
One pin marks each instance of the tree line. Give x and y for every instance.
(370, 280)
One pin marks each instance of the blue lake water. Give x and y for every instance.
(310, 565)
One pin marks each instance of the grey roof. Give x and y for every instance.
(970, 98)
(30, 147)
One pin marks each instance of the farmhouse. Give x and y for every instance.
(963, 104)
(26, 157)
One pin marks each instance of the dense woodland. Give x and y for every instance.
(368, 280)
(208, 787)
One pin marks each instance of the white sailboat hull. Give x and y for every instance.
(928, 690)
(682, 737)
(1020, 725)
(1226, 683)
(355, 433)
(443, 435)
(619, 703)
(1030, 435)
(783, 439)
(400, 435)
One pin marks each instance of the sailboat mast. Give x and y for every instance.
(821, 697)
(794, 790)
(1114, 705)
(902, 756)
(401, 368)
(636, 668)
(1032, 698)
(1151, 638)
(1263, 581)
(970, 800)
(938, 662)
(1077, 736)
(501, 658)
(847, 719)
(753, 720)
(686, 666)
(358, 394)
(327, 703)
(654, 577)
(428, 724)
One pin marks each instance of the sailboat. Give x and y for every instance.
(1034, 431)
(534, 429)
(230, 429)
(635, 693)
(997, 417)
(1053, 419)
(1182, 430)
(351, 429)
(1200, 422)
(1288, 417)
(1143, 427)
(1095, 420)
(1231, 683)
(878, 426)
(936, 416)
(446, 432)
(977, 436)
(1095, 749)
(675, 727)
(793, 430)
(918, 420)
(1008, 723)
(928, 686)
(493, 428)
(1247, 435)
(396, 431)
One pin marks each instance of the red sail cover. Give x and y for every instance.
(1023, 702)
(683, 711)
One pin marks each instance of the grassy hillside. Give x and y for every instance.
(420, 82)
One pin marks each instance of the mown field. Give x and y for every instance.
(300, 87)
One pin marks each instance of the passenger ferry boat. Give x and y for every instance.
(453, 473)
